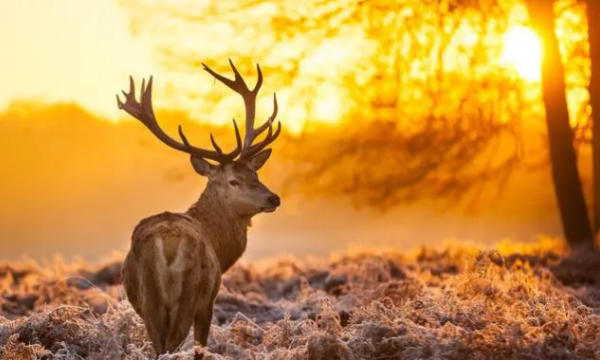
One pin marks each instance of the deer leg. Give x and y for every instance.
(155, 326)
(156, 315)
(180, 324)
(202, 327)
(202, 324)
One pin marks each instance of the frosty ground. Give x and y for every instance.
(516, 301)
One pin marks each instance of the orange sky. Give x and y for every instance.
(59, 195)
(83, 52)
(68, 50)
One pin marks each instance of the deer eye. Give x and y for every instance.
(234, 183)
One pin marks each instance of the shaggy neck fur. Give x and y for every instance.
(225, 230)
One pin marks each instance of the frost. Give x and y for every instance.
(448, 303)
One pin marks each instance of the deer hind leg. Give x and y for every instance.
(202, 322)
(204, 314)
(182, 285)
(180, 322)
(155, 320)
(154, 306)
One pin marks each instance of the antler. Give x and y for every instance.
(143, 111)
(239, 86)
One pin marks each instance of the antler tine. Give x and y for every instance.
(249, 96)
(215, 145)
(144, 112)
(248, 153)
(259, 80)
(270, 120)
(238, 139)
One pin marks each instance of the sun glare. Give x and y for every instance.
(523, 52)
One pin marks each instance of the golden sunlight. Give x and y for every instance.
(69, 51)
(328, 104)
(523, 52)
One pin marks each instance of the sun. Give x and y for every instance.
(523, 52)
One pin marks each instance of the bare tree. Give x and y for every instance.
(426, 113)
(429, 115)
(565, 174)
(593, 7)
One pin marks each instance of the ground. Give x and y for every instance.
(532, 301)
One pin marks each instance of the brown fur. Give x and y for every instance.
(173, 271)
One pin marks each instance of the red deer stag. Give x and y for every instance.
(173, 271)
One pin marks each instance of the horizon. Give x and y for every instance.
(81, 55)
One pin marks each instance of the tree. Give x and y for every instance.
(565, 174)
(593, 7)
(427, 114)
(408, 84)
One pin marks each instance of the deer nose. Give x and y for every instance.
(274, 200)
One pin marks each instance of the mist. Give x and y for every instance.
(75, 185)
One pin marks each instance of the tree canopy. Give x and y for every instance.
(392, 100)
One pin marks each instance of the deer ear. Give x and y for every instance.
(258, 160)
(202, 166)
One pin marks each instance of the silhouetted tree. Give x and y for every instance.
(593, 7)
(565, 174)
(426, 113)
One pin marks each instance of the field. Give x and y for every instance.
(452, 302)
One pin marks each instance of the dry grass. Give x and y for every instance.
(455, 302)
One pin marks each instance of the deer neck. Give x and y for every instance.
(225, 230)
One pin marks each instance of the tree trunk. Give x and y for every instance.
(593, 8)
(565, 175)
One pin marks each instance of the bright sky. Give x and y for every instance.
(522, 50)
(82, 51)
(68, 50)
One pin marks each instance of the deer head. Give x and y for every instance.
(233, 176)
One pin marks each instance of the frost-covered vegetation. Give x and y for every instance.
(452, 302)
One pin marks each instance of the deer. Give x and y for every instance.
(172, 272)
